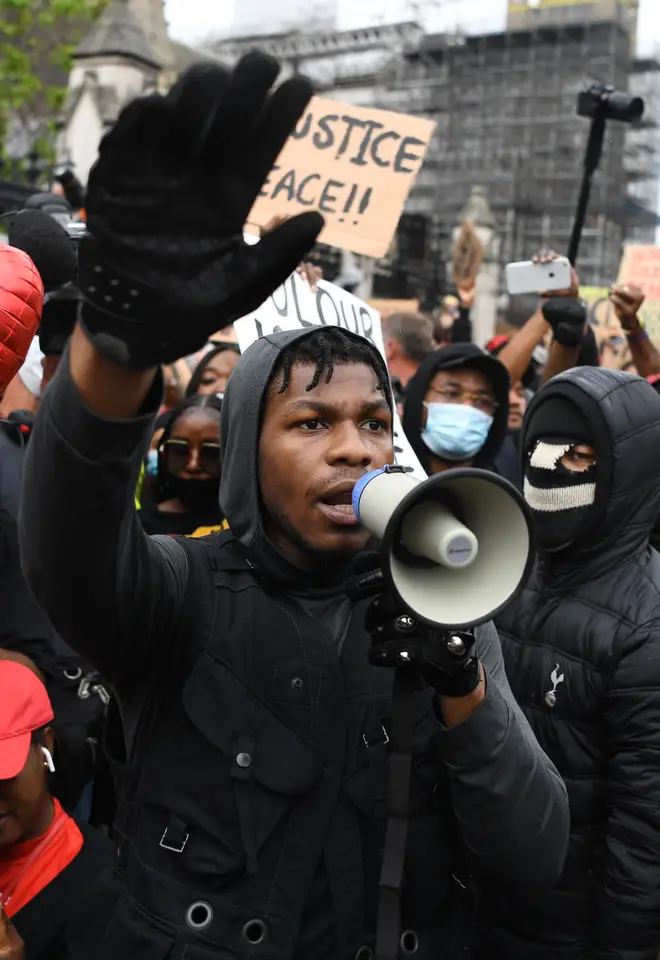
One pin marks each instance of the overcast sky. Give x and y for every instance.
(192, 20)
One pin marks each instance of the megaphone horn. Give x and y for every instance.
(456, 547)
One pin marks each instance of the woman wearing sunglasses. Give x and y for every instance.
(182, 500)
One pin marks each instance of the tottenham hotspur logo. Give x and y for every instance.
(555, 678)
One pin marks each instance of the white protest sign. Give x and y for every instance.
(294, 306)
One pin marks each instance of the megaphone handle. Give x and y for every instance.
(402, 721)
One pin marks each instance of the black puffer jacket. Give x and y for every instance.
(582, 651)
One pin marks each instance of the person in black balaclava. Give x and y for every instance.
(582, 651)
(184, 495)
(560, 473)
(456, 408)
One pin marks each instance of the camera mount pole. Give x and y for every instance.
(592, 157)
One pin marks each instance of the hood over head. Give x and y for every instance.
(623, 415)
(240, 429)
(459, 355)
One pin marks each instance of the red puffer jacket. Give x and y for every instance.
(21, 300)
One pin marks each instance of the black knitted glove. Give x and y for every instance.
(444, 660)
(165, 264)
(567, 317)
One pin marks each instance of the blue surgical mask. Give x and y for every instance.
(455, 431)
(151, 462)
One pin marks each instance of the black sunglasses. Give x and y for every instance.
(176, 454)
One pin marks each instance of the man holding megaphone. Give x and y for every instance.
(258, 711)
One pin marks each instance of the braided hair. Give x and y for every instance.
(326, 348)
(209, 401)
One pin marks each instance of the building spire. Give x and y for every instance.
(118, 33)
(150, 14)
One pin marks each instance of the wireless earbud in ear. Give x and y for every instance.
(48, 762)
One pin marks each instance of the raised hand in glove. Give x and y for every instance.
(444, 660)
(165, 264)
(567, 317)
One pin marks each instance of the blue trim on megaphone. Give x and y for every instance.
(358, 489)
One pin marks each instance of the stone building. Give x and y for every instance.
(504, 105)
(127, 53)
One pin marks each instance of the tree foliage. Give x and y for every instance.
(37, 40)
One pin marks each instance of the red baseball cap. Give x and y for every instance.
(24, 707)
(496, 343)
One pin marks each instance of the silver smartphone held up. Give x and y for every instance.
(525, 276)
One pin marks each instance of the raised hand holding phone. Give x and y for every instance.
(572, 288)
(547, 274)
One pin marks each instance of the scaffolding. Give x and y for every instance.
(504, 105)
(505, 111)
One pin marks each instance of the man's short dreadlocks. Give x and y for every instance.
(327, 347)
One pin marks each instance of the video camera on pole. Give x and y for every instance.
(61, 211)
(598, 103)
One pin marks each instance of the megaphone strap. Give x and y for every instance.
(402, 721)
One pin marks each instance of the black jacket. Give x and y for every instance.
(12, 456)
(507, 462)
(24, 627)
(253, 763)
(448, 358)
(44, 921)
(582, 651)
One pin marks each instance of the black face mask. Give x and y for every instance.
(198, 496)
(561, 500)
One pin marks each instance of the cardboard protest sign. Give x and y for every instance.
(468, 256)
(294, 306)
(612, 345)
(641, 265)
(355, 165)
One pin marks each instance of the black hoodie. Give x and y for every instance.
(217, 647)
(457, 356)
(239, 488)
(582, 650)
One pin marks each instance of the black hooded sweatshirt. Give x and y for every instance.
(457, 356)
(255, 728)
(586, 629)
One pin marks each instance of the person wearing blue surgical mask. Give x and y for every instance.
(456, 409)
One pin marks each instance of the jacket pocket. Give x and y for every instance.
(253, 739)
(367, 784)
(233, 776)
(130, 935)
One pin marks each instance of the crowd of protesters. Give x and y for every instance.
(199, 751)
